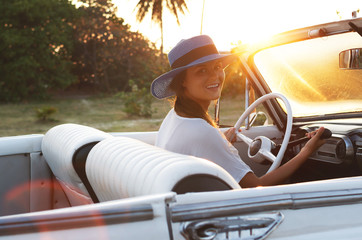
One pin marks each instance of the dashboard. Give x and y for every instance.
(340, 156)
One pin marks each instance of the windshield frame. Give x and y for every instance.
(260, 85)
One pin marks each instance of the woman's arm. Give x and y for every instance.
(282, 173)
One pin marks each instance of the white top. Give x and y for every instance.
(196, 137)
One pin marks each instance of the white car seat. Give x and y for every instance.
(122, 167)
(65, 148)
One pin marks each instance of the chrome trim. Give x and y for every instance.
(86, 217)
(217, 112)
(247, 89)
(359, 152)
(297, 35)
(331, 147)
(349, 145)
(256, 226)
(205, 210)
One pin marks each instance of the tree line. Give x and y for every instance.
(47, 45)
(52, 45)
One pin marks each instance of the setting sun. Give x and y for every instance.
(233, 21)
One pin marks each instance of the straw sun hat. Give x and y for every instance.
(187, 53)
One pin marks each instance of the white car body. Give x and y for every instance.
(41, 197)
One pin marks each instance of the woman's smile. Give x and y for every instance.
(216, 85)
(203, 83)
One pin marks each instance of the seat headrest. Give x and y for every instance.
(122, 167)
(60, 144)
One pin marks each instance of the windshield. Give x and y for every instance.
(308, 74)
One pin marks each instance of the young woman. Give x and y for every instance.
(196, 78)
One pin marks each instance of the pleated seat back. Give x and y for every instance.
(122, 167)
(65, 148)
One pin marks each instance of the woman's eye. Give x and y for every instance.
(202, 70)
(218, 66)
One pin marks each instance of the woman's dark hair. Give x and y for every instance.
(185, 105)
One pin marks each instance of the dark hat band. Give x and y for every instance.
(193, 55)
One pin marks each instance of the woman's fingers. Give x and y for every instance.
(317, 133)
(230, 134)
(315, 142)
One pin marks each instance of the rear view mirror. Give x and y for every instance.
(351, 59)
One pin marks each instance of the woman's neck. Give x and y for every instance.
(181, 113)
(190, 109)
(187, 107)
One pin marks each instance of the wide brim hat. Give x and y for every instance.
(187, 53)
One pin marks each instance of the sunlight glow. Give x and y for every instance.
(304, 82)
(230, 22)
(308, 74)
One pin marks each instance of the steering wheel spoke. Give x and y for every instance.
(243, 138)
(268, 155)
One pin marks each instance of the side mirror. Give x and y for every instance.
(351, 59)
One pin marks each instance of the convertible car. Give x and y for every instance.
(78, 182)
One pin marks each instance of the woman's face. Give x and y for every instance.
(203, 82)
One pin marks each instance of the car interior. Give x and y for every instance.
(74, 165)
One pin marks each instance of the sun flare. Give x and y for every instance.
(233, 21)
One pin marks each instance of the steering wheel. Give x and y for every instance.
(260, 147)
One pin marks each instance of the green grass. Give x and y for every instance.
(104, 113)
(100, 112)
(231, 109)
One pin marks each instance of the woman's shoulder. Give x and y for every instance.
(200, 131)
(195, 124)
(197, 128)
(172, 116)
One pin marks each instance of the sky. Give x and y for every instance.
(230, 22)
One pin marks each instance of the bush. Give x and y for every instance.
(36, 44)
(137, 102)
(234, 80)
(45, 113)
(107, 54)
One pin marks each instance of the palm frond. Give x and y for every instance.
(157, 11)
(156, 8)
(142, 8)
(176, 6)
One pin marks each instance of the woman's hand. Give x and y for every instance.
(315, 142)
(230, 134)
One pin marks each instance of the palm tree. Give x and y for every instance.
(175, 6)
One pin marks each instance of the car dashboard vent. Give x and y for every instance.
(359, 152)
(337, 149)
